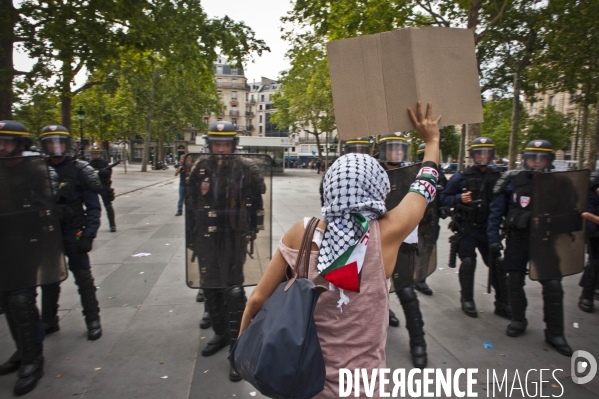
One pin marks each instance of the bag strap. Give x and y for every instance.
(303, 259)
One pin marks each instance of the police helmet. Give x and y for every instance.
(222, 131)
(96, 152)
(13, 135)
(361, 145)
(56, 141)
(420, 152)
(482, 151)
(394, 148)
(538, 155)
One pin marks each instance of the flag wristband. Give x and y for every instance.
(425, 188)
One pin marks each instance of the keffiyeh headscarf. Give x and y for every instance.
(354, 192)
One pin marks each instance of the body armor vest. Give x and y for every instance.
(482, 189)
(70, 205)
(99, 164)
(518, 216)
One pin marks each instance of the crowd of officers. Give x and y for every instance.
(486, 206)
(223, 208)
(76, 187)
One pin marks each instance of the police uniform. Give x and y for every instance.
(472, 219)
(107, 192)
(512, 202)
(80, 210)
(224, 212)
(19, 305)
(590, 278)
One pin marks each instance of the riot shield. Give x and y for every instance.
(31, 244)
(413, 265)
(228, 205)
(557, 235)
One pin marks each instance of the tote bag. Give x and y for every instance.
(279, 353)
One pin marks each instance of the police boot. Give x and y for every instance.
(13, 363)
(393, 320)
(24, 310)
(200, 296)
(467, 269)
(518, 304)
(236, 301)
(205, 322)
(423, 287)
(553, 309)
(587, 283)
(110, 214)
(502, 302)
(414, 324)
(91, 310)
(215, 305)
(50, 295)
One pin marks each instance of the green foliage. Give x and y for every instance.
(497, 125)
(39, 108)
(550, 125)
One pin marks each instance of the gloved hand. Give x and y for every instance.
(85, 244)
(495, 247)
(111, 194)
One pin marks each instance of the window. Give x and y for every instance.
(219, 92)
(262, 98)
(234, 121)
(533, 107)
(234, 71)
(233, 105)
(269, 97)
(219, 119)
(233, 95)
(292, 149)
(260, 107)
(252, 97)
(219, 69)
(206, 119)
(219, 82)
(259, 129)
(552, 101)
(260, 119)
(193, 136)
(234, 82)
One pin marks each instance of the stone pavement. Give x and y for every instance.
(151, 343)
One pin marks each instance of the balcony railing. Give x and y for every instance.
(250, 128)
(234, 112)
(227, 85)
(252, 101)
(249, 113)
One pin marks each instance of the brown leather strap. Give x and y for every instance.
(303, 258)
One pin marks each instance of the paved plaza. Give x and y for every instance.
(151, 343)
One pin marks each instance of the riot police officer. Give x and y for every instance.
(422, 286)
(513, 202)
(590, 278)
(104, 172)
(26, 254)
(80, 208)
(394, 153)
(224, 203)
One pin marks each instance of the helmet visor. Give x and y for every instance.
(482, 156)
(357, 149)
(537, 162)
(395, 151)
(56, 146)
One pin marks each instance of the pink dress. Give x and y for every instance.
(356, 337)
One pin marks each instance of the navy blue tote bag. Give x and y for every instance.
(279, 353)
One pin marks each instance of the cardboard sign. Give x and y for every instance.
(375, 78)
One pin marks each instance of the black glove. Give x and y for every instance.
(495, 247)
(110, 194)
(85, 244)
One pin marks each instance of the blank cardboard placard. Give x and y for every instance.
(375, 78)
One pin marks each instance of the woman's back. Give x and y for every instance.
(354, 337)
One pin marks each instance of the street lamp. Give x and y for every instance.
(81, 117)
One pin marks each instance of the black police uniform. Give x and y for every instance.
(512, 200)
(473, 218)
(107, 192)
(590, 278)
(226, 196)
(80, 207)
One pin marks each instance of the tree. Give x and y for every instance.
(549, 124)
(498, 124)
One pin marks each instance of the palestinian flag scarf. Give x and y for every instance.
(354, 192)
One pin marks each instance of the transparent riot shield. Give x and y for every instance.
(413, 264)
(31, 244)
(228, 213)
(557, 229)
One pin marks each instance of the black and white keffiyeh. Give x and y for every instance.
(355, 184)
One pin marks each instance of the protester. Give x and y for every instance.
(352, 320)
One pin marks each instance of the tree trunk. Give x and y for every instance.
(473, 131)
(160, 151)
(318, 145)
(148, 136)
(7, 72)
(583, 130)
(516, 108)
(594, 140)
(462, 149)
